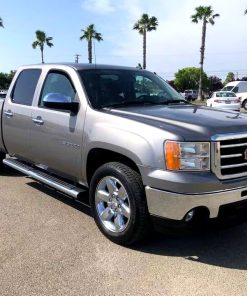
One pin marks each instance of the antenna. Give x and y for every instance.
(77, 58)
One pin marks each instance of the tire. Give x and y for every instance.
(244, 104)
(2, 157)
(118, 203)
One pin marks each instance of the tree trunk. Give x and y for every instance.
(144, 48)
(90, 51)
(42, 54)
(202, 50)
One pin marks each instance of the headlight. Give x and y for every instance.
(189, 156)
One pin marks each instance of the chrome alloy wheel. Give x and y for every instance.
(112, 204)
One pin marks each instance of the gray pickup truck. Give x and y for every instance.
(142, 152)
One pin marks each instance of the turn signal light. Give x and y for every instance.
(172, 156)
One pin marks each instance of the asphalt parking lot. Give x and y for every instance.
(51, 246)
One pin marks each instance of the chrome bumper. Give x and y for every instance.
(175, 205)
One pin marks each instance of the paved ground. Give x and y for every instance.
(49, 246)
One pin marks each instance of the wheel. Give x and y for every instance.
(244, 105)
(118, 203)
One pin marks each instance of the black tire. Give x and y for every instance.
(138, 225)
(2, 157)
(244, 104)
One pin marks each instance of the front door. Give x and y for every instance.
(56, 135)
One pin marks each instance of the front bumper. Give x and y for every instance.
(175, 206)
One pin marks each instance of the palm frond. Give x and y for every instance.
(48, 41)
(41, 40)
(35, 44)
(90, 33)
(146, 23)
(1, 23)
(204, 13)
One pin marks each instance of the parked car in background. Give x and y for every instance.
(190, 95)
(240, 89)
(224, 100)
(3, 93)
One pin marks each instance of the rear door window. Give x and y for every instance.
(25, 87)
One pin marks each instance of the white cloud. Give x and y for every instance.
(99, 6)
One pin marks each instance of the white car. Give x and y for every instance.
(224, 100)
(240, 89)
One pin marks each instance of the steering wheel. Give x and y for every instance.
(143, 97)
(162, 94)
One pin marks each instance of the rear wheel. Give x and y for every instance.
(118, 203)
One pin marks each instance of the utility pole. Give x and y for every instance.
(77, 58)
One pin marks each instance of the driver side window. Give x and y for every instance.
(59, 86)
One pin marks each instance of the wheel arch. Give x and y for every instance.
(99, 156)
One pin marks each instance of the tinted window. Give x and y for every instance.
(58, 85)
(25, 87)
(113, 87)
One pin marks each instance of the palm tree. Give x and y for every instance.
(143, 25)
(206, 15)
(1, 22)
(89, 34)
(41, 41)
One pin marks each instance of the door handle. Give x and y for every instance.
(38, 120)
(8, 113)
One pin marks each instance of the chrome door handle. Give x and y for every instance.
(38, 121)
(8, 113)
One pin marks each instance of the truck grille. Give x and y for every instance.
(231, 156)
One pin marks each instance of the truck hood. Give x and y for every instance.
(189, 121)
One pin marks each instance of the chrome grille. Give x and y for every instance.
(230, 152)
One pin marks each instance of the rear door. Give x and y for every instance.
(56, 135)
(16, 121)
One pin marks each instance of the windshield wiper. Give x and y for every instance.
(127, 103)
(170, 102)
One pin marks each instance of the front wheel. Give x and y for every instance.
(118, 203)
(244, 105)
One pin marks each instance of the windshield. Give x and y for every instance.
(107, 88)
(228, 88)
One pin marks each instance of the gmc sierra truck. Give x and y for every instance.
(142, 152)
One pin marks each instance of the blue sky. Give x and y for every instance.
(174, 45)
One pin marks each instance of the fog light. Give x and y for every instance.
(189, 216)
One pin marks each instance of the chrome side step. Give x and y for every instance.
(45, 178)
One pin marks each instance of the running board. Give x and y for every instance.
(45, 178)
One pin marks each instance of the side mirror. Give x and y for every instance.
(61, 102)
